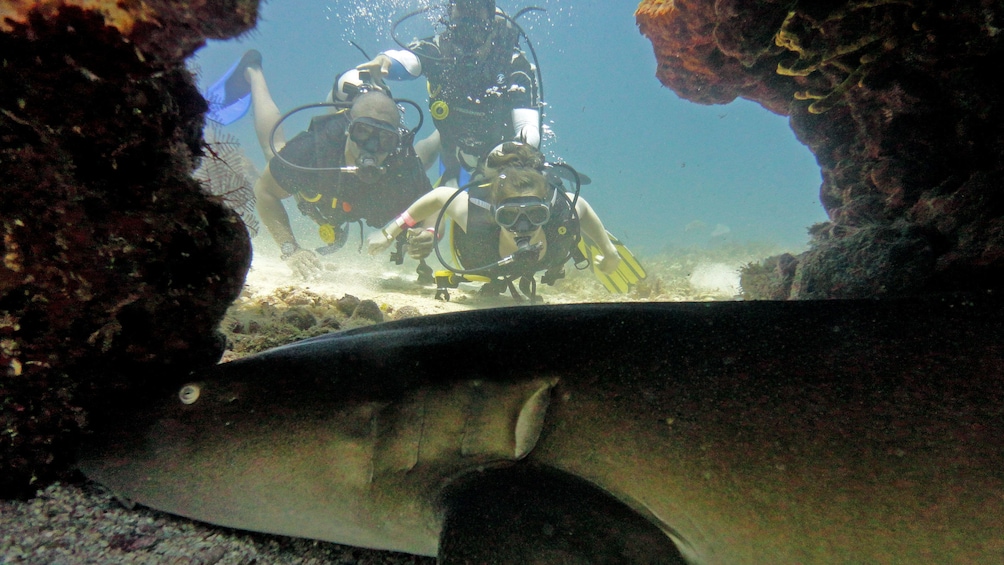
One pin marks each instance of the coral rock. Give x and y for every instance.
(116, 265)
(368, 310)
(897, 100)
(347, 304)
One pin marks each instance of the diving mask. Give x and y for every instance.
(522, 214)
(470, 24)
(374, 136)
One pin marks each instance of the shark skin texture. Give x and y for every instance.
(859, 431)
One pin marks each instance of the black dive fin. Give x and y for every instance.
(525, 514)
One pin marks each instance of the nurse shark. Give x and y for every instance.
(793, 432)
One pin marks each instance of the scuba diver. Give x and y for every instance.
(482, 89)
(356, 164)
(517, 222)
(350, 165)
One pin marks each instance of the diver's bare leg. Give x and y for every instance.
(266, 113)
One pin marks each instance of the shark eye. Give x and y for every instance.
(189, 393)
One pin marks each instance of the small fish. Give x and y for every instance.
(757, 432)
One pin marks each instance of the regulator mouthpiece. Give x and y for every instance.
(368, 169)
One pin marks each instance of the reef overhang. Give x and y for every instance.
(117, 266)
(899, 103)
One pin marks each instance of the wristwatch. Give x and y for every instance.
(287, 249)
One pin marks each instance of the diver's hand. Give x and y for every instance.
(420, 242)
(609, 262)
(304, 264)
(377, 242)
(378, 68)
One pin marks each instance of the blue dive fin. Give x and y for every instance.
(229, 97)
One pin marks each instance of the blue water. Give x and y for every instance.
(667, 173)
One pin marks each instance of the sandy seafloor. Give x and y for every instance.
(83, 523)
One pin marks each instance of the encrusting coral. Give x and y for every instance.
(117, 266)
(895, 98)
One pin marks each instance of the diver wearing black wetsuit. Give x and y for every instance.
(482, 88)
(333, 198)
(353, 165)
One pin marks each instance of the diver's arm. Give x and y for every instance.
(428, 149)
(404, 65)
(394, 64)
(422, 212)
(268, 203)
(526, 123)
(592, 227)
(523, 97)
(377, 67)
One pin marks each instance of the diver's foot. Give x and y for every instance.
(493, 288)
(528, 286)
(425, 274)
(237, 85)
(252, 74)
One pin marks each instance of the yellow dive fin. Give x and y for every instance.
(628, 273)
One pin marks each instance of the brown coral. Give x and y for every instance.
(896, 99)
(163, 29)
(116, 264)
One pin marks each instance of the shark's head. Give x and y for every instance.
(300, 452)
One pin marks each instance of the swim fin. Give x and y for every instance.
(628, 273)
(229, 97)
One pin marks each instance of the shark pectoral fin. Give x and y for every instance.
(528, 514)
(503, 421)
(530, 421)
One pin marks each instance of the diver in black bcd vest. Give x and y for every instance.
(513, 224)
(482, 89)
(356, 163)
(348, 166)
